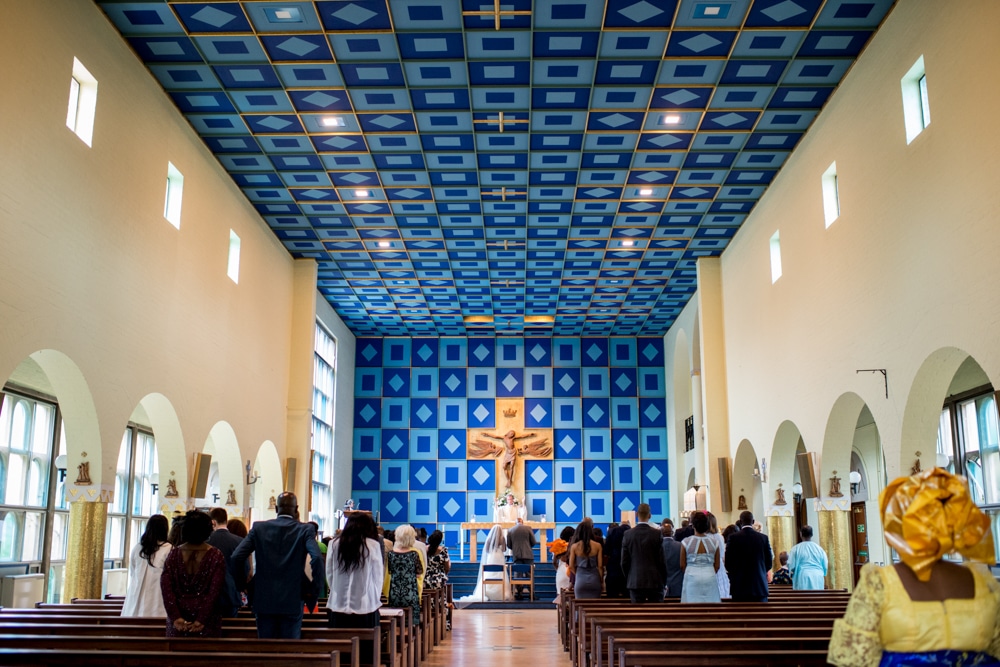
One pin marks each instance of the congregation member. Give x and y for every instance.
(560, 559)
(925, 610)
(700, 560)
(280, 547)
(642, 559)
(722, 576)
(748, 563)
(808, 563)
(685, 531)
(586, 562)
(355, 575)
(223, 540)
(672, 561)
(405, 567)
(521, 542)
(615, 577)
(438, 566)
(781, 576)
(194, 574)
(145, 566)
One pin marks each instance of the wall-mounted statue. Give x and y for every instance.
(83, 474)
(780, 493)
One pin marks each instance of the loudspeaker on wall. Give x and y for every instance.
(199, 476)
(808, 476)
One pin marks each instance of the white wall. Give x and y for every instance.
(92, 270)
(908, 269)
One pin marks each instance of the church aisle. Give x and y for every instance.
(501, 639)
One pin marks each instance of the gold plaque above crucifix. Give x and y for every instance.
(509, 443)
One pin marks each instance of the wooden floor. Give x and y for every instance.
(496, 638)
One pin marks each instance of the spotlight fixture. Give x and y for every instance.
(670, 119)
(645, 192)
(333, 121)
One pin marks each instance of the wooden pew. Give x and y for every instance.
(349, 649)
(729, 657)
(722, 643)
(25, 657)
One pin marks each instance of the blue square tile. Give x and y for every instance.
(367, 412)
(658, 504)
(452, 382)
(453, 352)
(452, 475)
(424, 443)
(566, 382)
(568, 506)
(395, 444)
(393, 506)
(395, 412)
(624, 382)
(480, 508)
(396, 352)
(423, 412)
(366, 500)
(538, 475)
(423, 476)
(594, 351)
(510, 382)
(595, 382)
(451, 507)
(481, 475)
(598, 506)
(626, 475)
(625, 501)
(654, 443)
(365, 475)
(510, 352)
(597, 475)
(482, 383)
(654, 476)
(597, 443)
(425, 352)
(652, 413)
(567, 413)
(368, 382)
(538, 352)
(482, 413)
(424, 382)
(540, 505)
(396, 382)
(367, 443)
(482, 352)
(650, 351)
(566, 352)
(596, 413)
(451, 443)
(625, 443)
(538, 382)
(538, 412)
(568, 475)
(622, 352)
(395, 476)
(423, 507)
(568, 444)
(652, 383)
(624, 412)
(452, 413)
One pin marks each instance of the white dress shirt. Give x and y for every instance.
(358, 591)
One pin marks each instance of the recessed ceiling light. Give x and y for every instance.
(539, 319)
(333, 121)
(712, 11)
(628, 243)
(384, 244)
(362, 193)
(670, 119)
(645, 192)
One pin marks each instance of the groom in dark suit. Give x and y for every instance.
(748, 558)
(642, 559)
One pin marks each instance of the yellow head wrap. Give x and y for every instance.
(931, 514)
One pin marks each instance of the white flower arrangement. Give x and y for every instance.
(508, 499)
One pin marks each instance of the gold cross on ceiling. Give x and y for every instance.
(502, 192)
(500, 120)
(497, 13)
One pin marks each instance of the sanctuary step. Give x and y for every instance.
(463, 577)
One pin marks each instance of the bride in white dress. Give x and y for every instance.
(493, 554)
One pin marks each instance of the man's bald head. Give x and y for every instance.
(288, 504)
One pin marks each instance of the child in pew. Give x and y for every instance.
(782, 576)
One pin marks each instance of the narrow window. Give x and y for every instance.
(82, 103)
(775, 257)
(175, 193)
(234, 257)
(831, 195)
(916, 106)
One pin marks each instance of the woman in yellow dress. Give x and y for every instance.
(925, 611)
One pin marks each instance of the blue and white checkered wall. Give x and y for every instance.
(415, 398)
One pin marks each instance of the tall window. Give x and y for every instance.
(969, 444)
(324, 393)
(233, 267)
(82, 106)
(134, 501)
(916, 102)
(174, 196)
(831, 195)
(775, 246)
(27, 436)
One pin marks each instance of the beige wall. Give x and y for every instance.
(904, 280)
(127, 305)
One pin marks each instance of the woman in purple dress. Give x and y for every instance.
(193, 576)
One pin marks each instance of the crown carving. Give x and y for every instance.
(512, 412)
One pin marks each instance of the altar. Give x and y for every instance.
(541, 526)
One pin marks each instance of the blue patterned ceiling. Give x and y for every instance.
(452, 159)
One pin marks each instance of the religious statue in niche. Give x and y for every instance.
(835, 486)
(272, 503)
(171, 489)
(916, 465)
(780, 493)
(743, 502)
(83, 474)
(231, 496)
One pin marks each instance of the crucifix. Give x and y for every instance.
(509, 443)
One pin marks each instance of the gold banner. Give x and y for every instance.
(835, 538)
(781, 532)
(85, 555)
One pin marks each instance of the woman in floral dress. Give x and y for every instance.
(404, 566)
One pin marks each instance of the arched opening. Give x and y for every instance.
(263, 493)
(747, 482)
(227, 475)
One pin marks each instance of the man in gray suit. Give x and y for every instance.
(672, 560)
(226, 542)
(642, 559)
(520, 541)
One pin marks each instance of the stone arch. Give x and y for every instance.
(171, 455)
(838, 441)
(267, 464)
(745, 482)
(52, 371)
(227, 462)
(782, 467)
(919, 429)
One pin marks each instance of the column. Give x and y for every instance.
(85, 555)
(298, 432)
(834, 518)
(780, 530)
